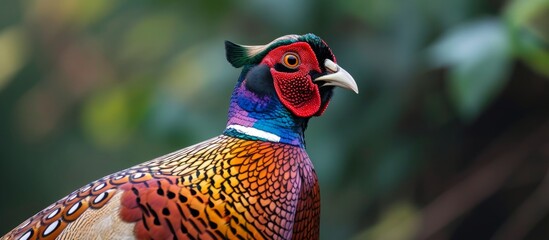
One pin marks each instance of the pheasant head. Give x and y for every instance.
(283, 84)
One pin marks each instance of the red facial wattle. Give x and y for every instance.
(296, 89)
(322, 108)
(299, 94)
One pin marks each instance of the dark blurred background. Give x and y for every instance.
(448, 138)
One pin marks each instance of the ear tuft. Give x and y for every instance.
(240, 55)
(236, 54)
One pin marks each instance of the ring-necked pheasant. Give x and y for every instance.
(255, 181)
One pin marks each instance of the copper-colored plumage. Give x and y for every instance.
(253, 182)
(223, 188)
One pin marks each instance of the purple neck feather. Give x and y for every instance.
(263, 118)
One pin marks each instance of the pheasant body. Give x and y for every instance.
(255, 181)
(228, 188)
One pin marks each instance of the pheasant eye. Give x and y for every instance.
(291, 60)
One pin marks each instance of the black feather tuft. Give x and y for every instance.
(236, 54)
(260, 81)
(239, 55)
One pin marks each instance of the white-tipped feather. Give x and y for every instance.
(254, 132)
(253, 50)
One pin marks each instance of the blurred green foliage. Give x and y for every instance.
(91, 87)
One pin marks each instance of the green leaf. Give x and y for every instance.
(529, 24)
(531, 14)
(13, 53)
(110, 117)
(478, 56)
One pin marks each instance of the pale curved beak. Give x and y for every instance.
(337, 77)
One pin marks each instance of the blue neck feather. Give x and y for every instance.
(256, 113)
